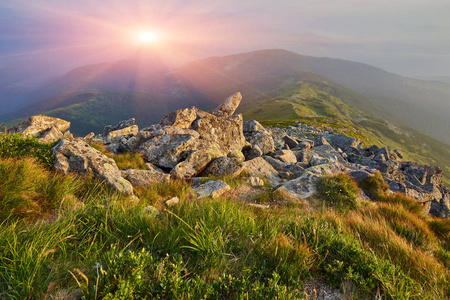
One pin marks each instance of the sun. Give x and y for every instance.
(146, 37)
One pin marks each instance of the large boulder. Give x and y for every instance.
(167, 150)
(226, 132)
(46, 129)
(257, 135)
(75, 155)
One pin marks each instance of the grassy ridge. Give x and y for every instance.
(89, 241)
(314, 104)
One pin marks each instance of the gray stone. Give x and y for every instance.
(224, 166)
(342, 141)
(75, 155)
(120, 125)
(119, 134)
(286, 156)
(224, 132)
(277, 164)
(292, 143)
(168, 150)
(212, 189)
(359, 175)
(258, 167)
(255, 134)
(193, 165)
(253, 152)
(302, 187)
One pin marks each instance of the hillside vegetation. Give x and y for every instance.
(320, 104)
(74, 237)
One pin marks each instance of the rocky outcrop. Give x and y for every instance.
(75, 155)
(46, 129)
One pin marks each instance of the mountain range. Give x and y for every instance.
(276, 85)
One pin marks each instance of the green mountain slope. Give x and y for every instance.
(324, 107)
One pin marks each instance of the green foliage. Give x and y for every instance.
(338, 191)
(17, 145)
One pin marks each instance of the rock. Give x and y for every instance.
(182, 118)
(328, 153)
(46, 129)
(193, 165)
(224, 166)
(230, 105)
(286, 156)
(302, 187)
(145, 177)
(342, 141)
(212, 189)
(117, 135)
(256, 135)
(169, 149)
(277, 164)
(325, 169)
(258, 167)
(303, 156)
(319, 141)
(225, 132)
(306, 144)
(292, 143)
(172, 201)
(253, 152)
(359, 175)
(382, 154)
(75, 155)
(254, 181)
(120, 125)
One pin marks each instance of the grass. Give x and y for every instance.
(339, 191)
(123, 161)
(73, 236)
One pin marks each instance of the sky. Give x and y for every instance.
(407, 37)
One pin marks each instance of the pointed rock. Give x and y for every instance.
(230, 105)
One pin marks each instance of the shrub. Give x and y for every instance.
(338, 191)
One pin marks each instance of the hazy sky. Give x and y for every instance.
(408, 37)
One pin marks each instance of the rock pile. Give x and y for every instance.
(46, 129)
(189, 143)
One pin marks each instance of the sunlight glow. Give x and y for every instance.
(147, 37)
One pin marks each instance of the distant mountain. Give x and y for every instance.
(421, 105)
